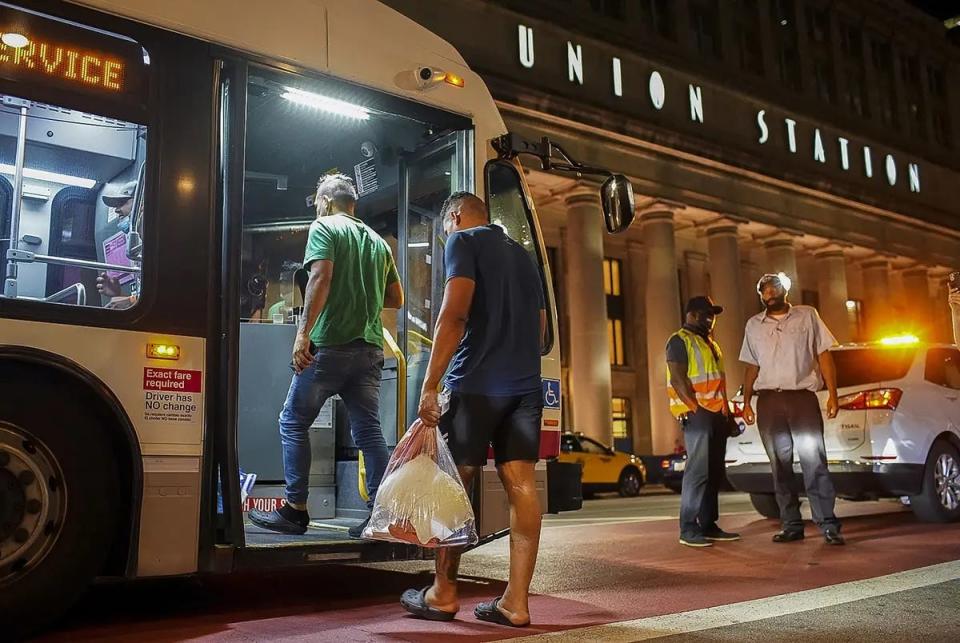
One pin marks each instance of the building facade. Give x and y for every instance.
(815, 138)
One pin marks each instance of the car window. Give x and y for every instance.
(570, 444)
(943, 367)
(593, 447)
(859, 366)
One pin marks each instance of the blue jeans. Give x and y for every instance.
(351, 371)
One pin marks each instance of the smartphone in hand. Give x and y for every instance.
(953, 281)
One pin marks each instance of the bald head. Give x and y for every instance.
(462, 211)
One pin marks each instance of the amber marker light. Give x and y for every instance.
(163, 351)
(453, 79)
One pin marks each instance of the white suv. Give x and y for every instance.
(897, 433)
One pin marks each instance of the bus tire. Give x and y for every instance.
(63, 513)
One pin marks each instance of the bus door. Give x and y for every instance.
(404, 160)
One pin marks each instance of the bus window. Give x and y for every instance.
(76, 227)
(508, 209)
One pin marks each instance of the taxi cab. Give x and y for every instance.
(604, 469)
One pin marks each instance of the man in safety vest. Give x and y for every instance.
(697, 387)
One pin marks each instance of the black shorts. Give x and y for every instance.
(510, 423)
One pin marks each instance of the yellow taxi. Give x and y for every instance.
(604, 469)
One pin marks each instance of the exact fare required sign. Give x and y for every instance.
(171, 394)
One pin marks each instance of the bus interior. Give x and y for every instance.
(71, 161)
(405, 160)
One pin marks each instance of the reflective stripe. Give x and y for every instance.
(705, 372)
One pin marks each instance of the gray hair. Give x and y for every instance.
(338, 188)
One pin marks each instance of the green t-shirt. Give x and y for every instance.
(363, 267)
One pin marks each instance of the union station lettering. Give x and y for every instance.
(835, 150)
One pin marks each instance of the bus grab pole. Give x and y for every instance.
(10, 285)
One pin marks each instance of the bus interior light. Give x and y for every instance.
(325, 103)
(163, 351)
(14, 39)
(52, 177)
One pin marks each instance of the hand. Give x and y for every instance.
(109, 286)
(748, 415)
(833, 406)
(301, 353)
(954, 300)
(429, 410)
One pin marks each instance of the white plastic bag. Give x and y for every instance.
(421, 499)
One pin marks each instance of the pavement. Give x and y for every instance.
(613, 571)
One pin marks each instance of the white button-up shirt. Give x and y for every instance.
(787, 350)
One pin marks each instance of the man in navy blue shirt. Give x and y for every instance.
(490, 334)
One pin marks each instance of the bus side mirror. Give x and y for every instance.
(616, 196)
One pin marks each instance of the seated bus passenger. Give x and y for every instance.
(107, 284)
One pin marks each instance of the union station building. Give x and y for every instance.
(785, 135)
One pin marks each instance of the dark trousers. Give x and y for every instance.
(705, 435)
(789, 419)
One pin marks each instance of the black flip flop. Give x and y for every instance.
(415, 602)
(491, 614)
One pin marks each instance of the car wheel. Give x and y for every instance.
(58, 480)
(939, 498)
(765, 504)
(630, 483)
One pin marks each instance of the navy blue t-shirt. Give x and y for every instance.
(500, 352)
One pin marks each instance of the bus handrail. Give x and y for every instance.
(401, 382)
(29, 257)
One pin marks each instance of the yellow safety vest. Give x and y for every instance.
(705, 371)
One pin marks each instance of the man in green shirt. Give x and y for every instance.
(339, 346)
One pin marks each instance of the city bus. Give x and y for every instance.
(158, 162)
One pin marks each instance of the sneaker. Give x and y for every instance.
(833, 537)
(357, 530)
(695, 541)
(285, 520)
(718, 534)
(787, 536)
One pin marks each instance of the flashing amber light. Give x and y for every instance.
(551, 423)
(67, 63)
(900, 340)
(163, 351)
(453, 79)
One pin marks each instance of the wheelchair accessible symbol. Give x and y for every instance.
(551, 394)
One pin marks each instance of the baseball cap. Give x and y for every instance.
(702, 304)
(121, 196)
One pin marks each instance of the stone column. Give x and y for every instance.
(876, 298)
(696, 273)
(750, 273)
(636, 256)
(587, 305)
(727, 291)
(662, 301)
(916, 290)
(832, 290)
(782, 257)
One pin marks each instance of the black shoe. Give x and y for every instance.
(833, 537)
(720, 535)
(285, 520)
(695, 541)
(357, 530)
(787, 536)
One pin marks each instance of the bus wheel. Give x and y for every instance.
(58, 486)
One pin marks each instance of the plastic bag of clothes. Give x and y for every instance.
(421, 499)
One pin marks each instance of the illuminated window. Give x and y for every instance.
(620, 417)
(613, 288)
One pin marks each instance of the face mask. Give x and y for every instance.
(124, 225)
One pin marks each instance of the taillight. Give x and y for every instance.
(880, 398)
(664, 464)
(736, 408)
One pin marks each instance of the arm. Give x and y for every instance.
(314, 301)
(451, 326)
(682, 385)
(829, 370)
(749, 379)
(955, 313)
(393, 296)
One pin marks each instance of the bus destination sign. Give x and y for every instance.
(65, 55)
